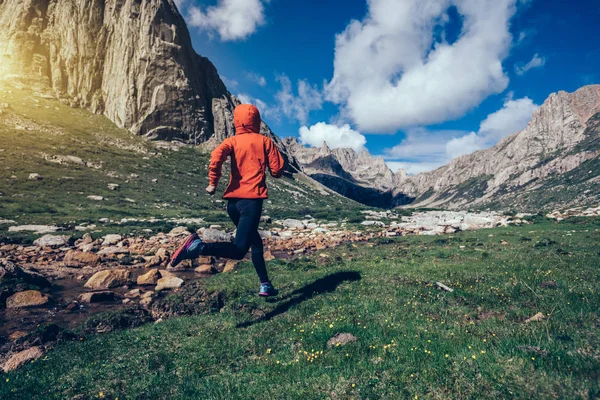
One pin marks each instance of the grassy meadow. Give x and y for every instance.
(414, 341)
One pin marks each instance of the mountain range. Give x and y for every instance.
(133, 62)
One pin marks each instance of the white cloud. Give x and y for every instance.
(536, 62)
(424, 150)
(231, 83)
(231, 19)
(298, 107)
(256, 78)
(390, 74)
(335, 136)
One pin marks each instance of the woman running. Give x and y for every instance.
(251, 153)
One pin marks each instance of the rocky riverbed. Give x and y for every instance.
(64, 282)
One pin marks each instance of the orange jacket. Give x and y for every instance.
(250, 154)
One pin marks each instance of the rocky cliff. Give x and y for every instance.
(554, 161)
(358, 176)
(131, 60)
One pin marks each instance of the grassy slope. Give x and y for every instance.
(61, 197)
(413, 340)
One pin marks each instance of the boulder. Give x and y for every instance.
(206, 269)
(10, 271)
(108, 279)
(341, 339)
(294, 223)
(96, 297)
(113, 250)
(52, 241)
(133, 294)
(231, 265)
(28, 298)
(19, 359)
(149, 278)
(74, 256)
(170, 282)
(161, 257)
(214, 235)
(110, 240)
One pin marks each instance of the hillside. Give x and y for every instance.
(553, 163)
(358, 176)
(78, 154)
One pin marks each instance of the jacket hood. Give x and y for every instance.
(246, 119)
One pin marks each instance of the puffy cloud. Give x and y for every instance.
(256, 78)
(298, 107)
(335, 136)
(536, 62)
(392, 71)
(424, 150)
(512, 118)
(231, 19)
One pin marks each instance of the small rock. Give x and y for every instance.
(146, 301)
(265, 219)
(126, 301)
(52, 241)
(113, 250)
(269, 256)
(206, 269)
(231, 265)
(81, 257)
(22, 358)
(96, 297)
(149, 278)
(294, 223)
(113, 186)
(179, 231)
(171, 282)
(108, 279)
(16, 335)
(28, 298)
(214, 235)
(35, 177)
(147, 295)
(445, 288)
(205, 260)
(133, 294)
(549, 285)
(110, 240)
(95, 198)
(536, 318)
(341, 339)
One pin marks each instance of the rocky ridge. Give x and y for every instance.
(561, 137)
(358, 176)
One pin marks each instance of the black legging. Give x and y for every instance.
(245, 214)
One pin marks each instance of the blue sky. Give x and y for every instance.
(417, 82)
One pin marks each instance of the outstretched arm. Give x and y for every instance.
(217, 158)
(276, 162)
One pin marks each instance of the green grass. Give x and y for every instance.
(132, 162)
(413, 340)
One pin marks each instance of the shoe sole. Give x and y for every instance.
(176, 259)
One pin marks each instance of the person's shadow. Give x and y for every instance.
(326, 284)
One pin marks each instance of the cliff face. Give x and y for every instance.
(131, 60)
(560, 139)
